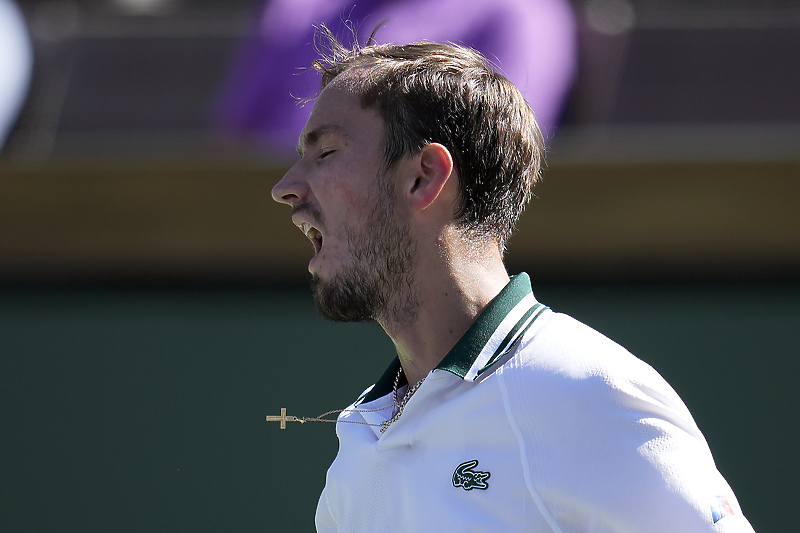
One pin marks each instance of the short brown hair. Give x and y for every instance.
(444, 93)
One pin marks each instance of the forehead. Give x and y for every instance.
(338, 113)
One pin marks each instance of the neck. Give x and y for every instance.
(449, 297)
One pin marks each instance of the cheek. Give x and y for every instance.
(354, 203)
(349, 203)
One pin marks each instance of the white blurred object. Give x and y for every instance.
(16, 65)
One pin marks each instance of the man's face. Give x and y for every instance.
(345, 204)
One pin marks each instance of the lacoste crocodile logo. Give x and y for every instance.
(468, 479)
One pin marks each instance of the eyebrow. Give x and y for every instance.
(312, 137)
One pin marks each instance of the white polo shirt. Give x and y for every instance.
(533, 422)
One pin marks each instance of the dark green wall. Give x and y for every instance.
(143, 410)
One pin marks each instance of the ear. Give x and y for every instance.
(432, 170)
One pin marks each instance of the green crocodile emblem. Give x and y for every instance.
(468, 479)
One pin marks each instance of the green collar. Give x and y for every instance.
(493, 335)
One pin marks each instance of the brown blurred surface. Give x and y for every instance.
(197, 220)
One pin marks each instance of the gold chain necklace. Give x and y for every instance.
(399, 404)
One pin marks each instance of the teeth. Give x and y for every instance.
(310, 231)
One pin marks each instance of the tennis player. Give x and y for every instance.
(498, 414)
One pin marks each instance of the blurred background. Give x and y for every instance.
(153, 298)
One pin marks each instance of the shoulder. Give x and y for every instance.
(566, 352)
(564, 368)
(602, 432)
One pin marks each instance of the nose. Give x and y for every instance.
(290, 189)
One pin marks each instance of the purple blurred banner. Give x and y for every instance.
(532, 42)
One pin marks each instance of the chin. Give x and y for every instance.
(345, 299)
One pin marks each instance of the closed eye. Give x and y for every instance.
(325, 153)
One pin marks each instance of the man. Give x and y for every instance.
(498, 414)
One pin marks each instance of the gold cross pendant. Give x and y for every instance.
(283, 418)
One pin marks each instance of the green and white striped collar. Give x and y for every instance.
(493, 335)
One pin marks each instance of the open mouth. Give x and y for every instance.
(313, 234)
